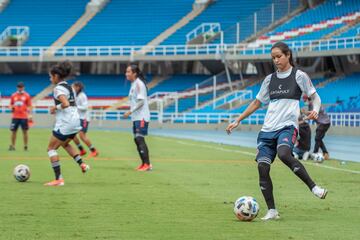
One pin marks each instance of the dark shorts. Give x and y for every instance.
(16, 122)
(84, 125)
(268, 143)
(63, 137)
(140, 127)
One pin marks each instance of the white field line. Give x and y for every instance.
(253, 155)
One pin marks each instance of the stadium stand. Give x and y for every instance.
(231, 11)
(131, 22)
(49, 15)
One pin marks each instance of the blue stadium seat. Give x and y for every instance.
(47, 20)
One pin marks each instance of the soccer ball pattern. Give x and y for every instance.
(246, 208)
(22, 173)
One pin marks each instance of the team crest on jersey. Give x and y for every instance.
(285, 139)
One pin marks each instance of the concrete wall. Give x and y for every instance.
(47, 121)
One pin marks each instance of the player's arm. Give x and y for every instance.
(306, 86)
(253, 106)
(30, 108)
(64, 103)
(316, 101)
(11, 106)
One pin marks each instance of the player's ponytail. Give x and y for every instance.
(63, 69)
(139, 74)
(285, 50)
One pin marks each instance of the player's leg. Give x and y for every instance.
(25, 130)
(265, 156)
(140, 129)
(80, 147)
(88, 143)
(317, 138)
(285, 146)
(54, 144)
(324, 129)
(74, 154)
(13, 128)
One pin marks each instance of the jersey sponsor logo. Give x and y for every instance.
(280, 91)
(285, 139)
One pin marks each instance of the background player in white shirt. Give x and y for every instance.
(67, 122)
(82, 106)
(140, 113)
(282, 90)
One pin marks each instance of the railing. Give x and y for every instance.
(21, 33)
(238, 96)
(202, 29)
(337, 119)
(179, 50)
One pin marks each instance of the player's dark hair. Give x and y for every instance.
(80, 85)
(139, 74)
(63, 69)
(285, 50)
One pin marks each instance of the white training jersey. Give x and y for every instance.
(82, 106)
(138, 92)
(283, 112)
(67, 120)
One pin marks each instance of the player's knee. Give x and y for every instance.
(52, 153)
(264, 169)
(284, 153)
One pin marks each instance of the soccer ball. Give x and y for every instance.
(22, 173)
(317, 157)
(246, 208)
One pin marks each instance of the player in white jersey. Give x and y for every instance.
(82, 106)
(282, 90)
(67, 123)
(140, 113)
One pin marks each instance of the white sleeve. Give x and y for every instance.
(60, 90)
(82, 102)
(263, 95)
(305, 84)
(141, 91)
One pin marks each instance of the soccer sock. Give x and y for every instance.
(286, 157)
(80, 147)
(78, 159)
(266, 184)
(56, 166)
(142, 149)
(92, 148)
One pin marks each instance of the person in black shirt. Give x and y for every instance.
(303, 144)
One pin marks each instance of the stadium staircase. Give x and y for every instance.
(41, 95)
(196, 11)
(342, 30)
(90, 13)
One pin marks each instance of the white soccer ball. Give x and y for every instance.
(246, 208)
(317, 157)
(22, 173)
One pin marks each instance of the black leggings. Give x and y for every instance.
(320, 134)
(285, 155)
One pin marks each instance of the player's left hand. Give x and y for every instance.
(52, 109)
(313, 115)
(127, 114)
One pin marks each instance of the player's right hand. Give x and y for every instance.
(52, 110)
(232, 126)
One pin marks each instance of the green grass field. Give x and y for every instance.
(188, 195)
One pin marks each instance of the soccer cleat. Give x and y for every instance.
(145, 167)
(319, 192)
(272, 214)
(139, 167)
(82, 152)
(11, 148)
(26, 148)
(94, 153)
(59, 182)
(84, 167)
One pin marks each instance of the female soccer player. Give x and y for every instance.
(140, 114)
(82, 106)
(282, 90)
(67, 121)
